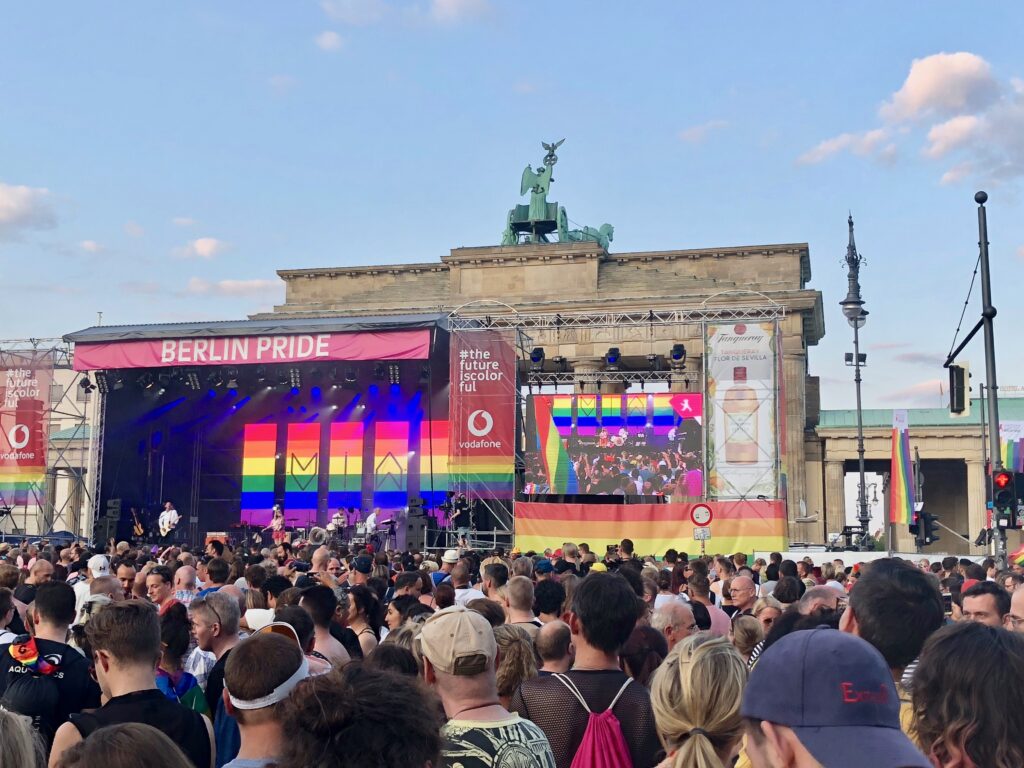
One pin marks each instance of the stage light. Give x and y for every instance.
(282, 376)
(380, 372)
(677, 356)
(177, 378)
(425, 374)
(145, 380)
(561, 364)
(537, 359)
(164, 380)
(316, 374)
(161, 392)
(295, 377)
(101, 382)
(233, 392)
(350, 376)
(295, 390)
(654, 362)
(192, 379)
(315, 393)
(334, 407)
(612, 358)
(86, 385)
(261, 373)
(394, 373)
(215, 379)
(232, 378)
(211, 393)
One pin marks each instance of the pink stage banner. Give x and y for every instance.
(242, 350)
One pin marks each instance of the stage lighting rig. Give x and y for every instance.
(295, 378)
(654, 362)
(612, 359)
(215, 379)
(380, 372)
(192, 379)
(116, 381)
(232, 382)
(425, 374)
(561, 364)
(282, 377)
(350, 376)
(394, 373)
(537, 359)
(677, 357)
(101, 382)
(145, 380)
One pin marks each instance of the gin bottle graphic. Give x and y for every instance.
(740, 409)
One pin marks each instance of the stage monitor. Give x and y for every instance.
(640, 447)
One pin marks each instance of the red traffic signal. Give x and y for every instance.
(1004, 494)
(1002, 479)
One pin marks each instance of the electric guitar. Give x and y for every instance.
(137, 528)
(166, 526)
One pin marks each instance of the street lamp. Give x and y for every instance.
(856, 316)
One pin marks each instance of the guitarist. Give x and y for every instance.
(168, 522)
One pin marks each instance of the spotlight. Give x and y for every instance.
(295, 378)
(232, 382)
(380, 372)
(425, 374)
(316, 374)
(537, 359)
(612, 358)
(654, 362)
(282, 377)
(261, 373)
(192, 379)
(145, 380)
(117, 381)
(86, 385)
(677, 357)
(394, 373)
(215, 379)
(101, 382)
(164, 380)
(561, 364)
(160, 392)
(350, 376)
(177, 378)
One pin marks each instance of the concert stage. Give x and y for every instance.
(226, 419)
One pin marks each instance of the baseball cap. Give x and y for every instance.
(557, 553)
(544, 566)
(598, 568)
(99, 566)
(836, 692)
(968, 584)
(450, 556)
(458, 641)
(362, 564)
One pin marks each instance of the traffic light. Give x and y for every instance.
(930, 524)
(959, 386)
(1004, 492)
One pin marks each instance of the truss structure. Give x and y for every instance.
(554, 321)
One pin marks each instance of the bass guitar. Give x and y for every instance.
(137, 528)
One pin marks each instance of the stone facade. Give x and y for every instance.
(583, 278)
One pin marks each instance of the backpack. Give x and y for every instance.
(603, 745)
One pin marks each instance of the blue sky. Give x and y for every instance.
(158, 162)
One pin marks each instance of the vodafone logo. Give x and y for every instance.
(18, 436)
(480, 431)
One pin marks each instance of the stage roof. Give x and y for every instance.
(267, 327)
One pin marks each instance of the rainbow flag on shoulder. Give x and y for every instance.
(901, 474)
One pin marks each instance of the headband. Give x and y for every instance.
(280, 693)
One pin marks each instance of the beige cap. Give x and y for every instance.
(458, 641)
(450, 556)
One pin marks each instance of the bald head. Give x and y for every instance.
(185, 578)
(231, 590)
(744, 593)
(674, 620)
(553, 644)
(40, 572)
(107, 585)
(321, 558)
(818, 598)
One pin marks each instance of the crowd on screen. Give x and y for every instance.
(303, 655)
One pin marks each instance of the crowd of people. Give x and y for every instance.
(303, 655)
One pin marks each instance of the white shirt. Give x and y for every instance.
(81, 595)
(464, 594)
(371, 522)
(168, 518)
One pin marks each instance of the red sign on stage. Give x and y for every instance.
(25, 379)
(483, 414)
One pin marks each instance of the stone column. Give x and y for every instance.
(835, 498)
(794, 375)
(976, 498)
(587, 365)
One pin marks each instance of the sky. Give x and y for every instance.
(159, 162)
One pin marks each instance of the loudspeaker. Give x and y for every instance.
(415, 533)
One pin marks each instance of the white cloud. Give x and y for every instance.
(958, 172)
(91, 246)
(952, 134)
(524, 87)
(201, 287)
(697, 133)
(183, 221)
(134, 229)
(863, 144)
(24, 208)
(328, 40)
(281, 84)
(942, 84)
(926, 393)
(201, 248)
(454, 11)
(356, 13)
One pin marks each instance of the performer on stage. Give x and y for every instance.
(371, 521)
(461, 519)
(277, 525)
(168, 522)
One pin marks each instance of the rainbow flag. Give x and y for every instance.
(611, 412)
(1011, 445)
(259, 462)
(901, 499)
(1017, 558)
(433, 461)
(345, 483)
(561, 411)
(636, 410)
(302, 473)
(560, 471)
(391, 464)
(586, 415)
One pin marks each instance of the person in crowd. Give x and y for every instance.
(767, 610)
(126, 577)
(463, 591)
(743, 593)
(215, 625)
(543, 570)
(966, 697)
(301, 625)
(642, 653)
(359, 573)
(895, 607)
(675, 621)
(394, 658)
(408, 583)
(125, 642)
(125, 745)
(342, 719)
(97, 566)
(8, 610)
(1015, 618)
(160, 588)
(601, 619)
(260, 674)
(817, 598)
(548, 599)
(365, 617)
(847, 718)
(555, 649)
(394, 616)
(516, 660)
(745, 634)
(42, 677)
(444, 595)
(218, 571)
(448, 562)
(489, 609)
(696, 695)
(459, 654)
(495, 577)
(40, 573)
(523, 566)
(699, 589)
(518, 601)
(185, 585)
(322, 605)
(789, 589)
(20, 744)
(171, 678)
(986, 603)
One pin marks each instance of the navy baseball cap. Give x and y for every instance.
(363, 565)
(544, 566)
(837, 694)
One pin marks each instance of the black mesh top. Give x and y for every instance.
(549, 704)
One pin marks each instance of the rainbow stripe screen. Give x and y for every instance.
(391, 464)
(345, 486)
(433, 461)
(301, 473)
(664, 416)
(258, 469)
(586, 414)
(636, 411)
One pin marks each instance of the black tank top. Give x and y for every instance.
(185, 727)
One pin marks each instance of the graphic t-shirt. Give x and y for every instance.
(510, 743)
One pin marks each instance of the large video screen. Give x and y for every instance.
(638, 446)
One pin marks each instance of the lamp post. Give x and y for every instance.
(856, 315)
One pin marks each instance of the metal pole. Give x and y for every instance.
(988, 312)
(862, 499)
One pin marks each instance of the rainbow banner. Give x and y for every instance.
(391, 464)
(1017, 557)
(259, 462)
(301, 474)
(1011, 445)
(561, 412)
(738, 526)
(663, 415)
(433, 462)
(586, 414)
(25, 383)
(611, 412)
(636, 411)
(345, 481)
(901, 494)
(560, 472)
